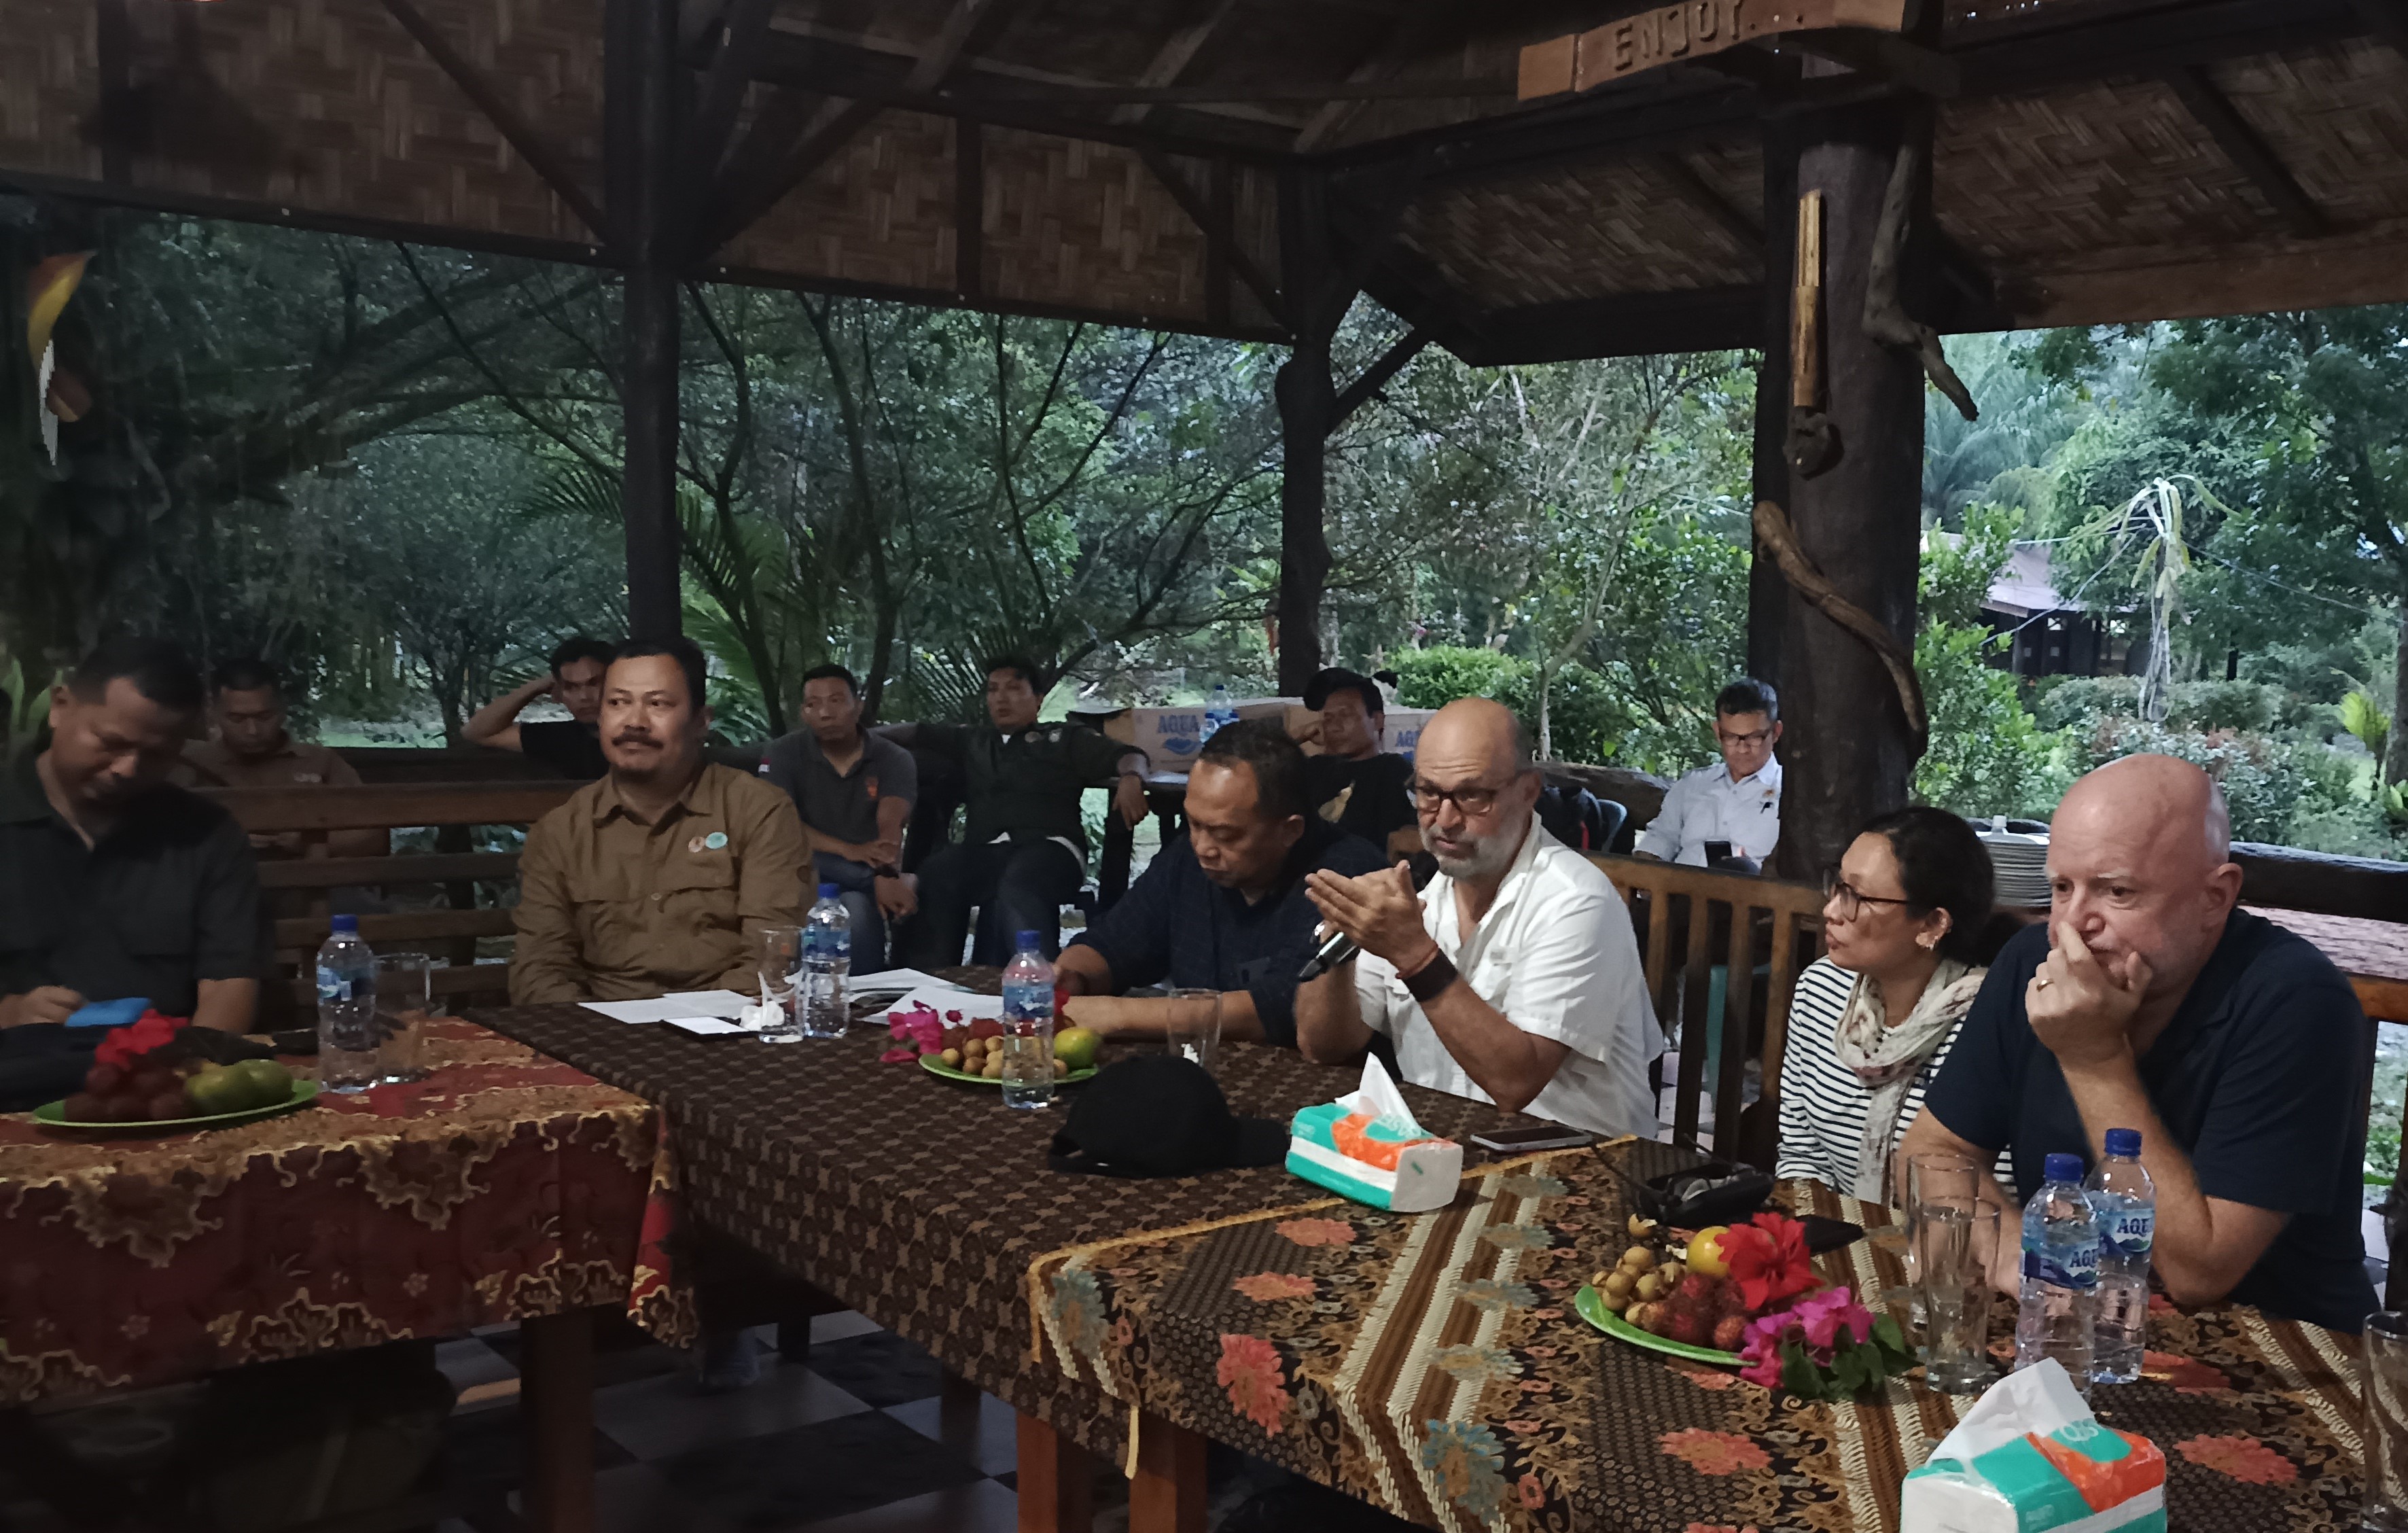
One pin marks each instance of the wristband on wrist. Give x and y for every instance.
(1425, 983)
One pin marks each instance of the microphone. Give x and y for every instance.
(1337, 948)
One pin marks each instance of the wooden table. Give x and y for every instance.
(506, 1186)
(924, 1204)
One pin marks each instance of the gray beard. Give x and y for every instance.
(1491, 854)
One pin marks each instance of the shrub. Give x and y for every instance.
(1437, 676)
(1985, 755)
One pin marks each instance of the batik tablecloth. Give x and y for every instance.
(503, 1186)
(1433, 1366)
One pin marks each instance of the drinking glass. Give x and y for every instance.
(1193, 1029)
(405, 998)
(1936, 1175)
(1956, 1236)
(778, 955)
(2385, 1508)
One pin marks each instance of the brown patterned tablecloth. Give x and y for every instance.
(1434, 1365)
(505, 1185)
(920, 1201)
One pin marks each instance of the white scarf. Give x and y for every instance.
(1887, 1059)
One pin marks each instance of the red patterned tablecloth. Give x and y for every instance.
(505, 1185)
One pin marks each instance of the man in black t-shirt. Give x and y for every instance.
(568, 746)
(114, 883)
(1026, 853)
(1354, 784)
(1222, 907)
(2150, 1002)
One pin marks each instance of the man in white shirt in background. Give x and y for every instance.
(1737, 802)
(1514, 978)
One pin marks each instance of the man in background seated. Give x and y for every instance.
(854, 791)
(659, 877)
(569, 746)
(2150, 1002)
(1353, 783)
(1737, 802)
(253, 749)
(1512, 978)
(1027, 851)
(115, 883)
(1224, 908)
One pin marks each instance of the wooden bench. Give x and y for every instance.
(1782, 921)
(450, 932)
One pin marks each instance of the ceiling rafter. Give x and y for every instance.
(1199, 209)
(2248, 152)
(1171, 59)
(1403, 41)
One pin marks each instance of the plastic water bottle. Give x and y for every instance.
(2060, 1284)
(348, 1053)
(827, 958)
(1219, 712)
(1028, 1027)
(2126, 1202)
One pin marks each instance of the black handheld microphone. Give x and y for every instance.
(1337, 948)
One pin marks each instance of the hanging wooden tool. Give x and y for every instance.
(1813, 443)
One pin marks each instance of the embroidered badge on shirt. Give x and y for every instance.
(695, 846)
(870, 785)
(715, 840)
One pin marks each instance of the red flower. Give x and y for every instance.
(1768, 1260)
(124, 1045)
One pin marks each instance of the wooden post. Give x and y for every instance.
(556, 1421)
(1056, 1481)
(641, 141)
(1311, 283)
(1168, 1494)
(1846, 746)
(1768, 594)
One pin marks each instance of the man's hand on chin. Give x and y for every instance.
(2082, 1006)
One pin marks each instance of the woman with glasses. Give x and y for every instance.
(1908, 931)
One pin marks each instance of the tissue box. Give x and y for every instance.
(2081, 1478)
(1351, 1154)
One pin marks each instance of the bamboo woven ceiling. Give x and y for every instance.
(1121, 159)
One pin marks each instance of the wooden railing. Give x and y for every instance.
(1762, 923)
(451, 933)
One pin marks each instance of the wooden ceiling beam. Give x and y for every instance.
(2248, 152)
(1375, 378)
(1171, 59)
(516, 131)
(1200, 211)
(1398, 49)
(722, 96)
(1694, 190)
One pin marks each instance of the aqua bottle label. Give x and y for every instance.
(2133, 1230)
(2076, 1269)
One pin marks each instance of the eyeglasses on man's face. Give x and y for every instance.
(1473, 799)
(1735, 741)
(1844, 899)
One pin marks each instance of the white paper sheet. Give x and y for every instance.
(707, 1027)
(684, 1003)
(895, 981)
(971, 1003)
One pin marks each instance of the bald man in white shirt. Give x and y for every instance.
(1514, 978)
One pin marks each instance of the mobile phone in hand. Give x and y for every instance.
(1543, 1137)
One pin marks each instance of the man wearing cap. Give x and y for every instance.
(659, 877)
(1356, 785)
(1224, 908)
(1735, 803)
(1514, 977)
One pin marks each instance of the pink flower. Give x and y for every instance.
(1761, 1349)
(1533, 1492)
(898, 1057)
(1827, 1316)
(917, 1028)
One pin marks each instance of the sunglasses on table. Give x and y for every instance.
(1848, 897)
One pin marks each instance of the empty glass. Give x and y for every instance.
(778, 955)
(405, 998)
(1956, 1237)
(2385, 1508)
(1192, 1026)
(1934, 1176)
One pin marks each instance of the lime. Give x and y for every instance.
(1076, 1047)
(269, 1082)
(217, 1089)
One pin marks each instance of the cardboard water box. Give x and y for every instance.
(1171, 736)
(1404, 730)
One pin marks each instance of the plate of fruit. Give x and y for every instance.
(1695, 1299)
(973, 1051)
(149, 1097)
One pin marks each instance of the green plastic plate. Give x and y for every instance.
(937, 1067)
(53, 1115)
(1590, 1304)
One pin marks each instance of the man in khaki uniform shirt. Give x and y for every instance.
(657, 877)
(253, 749)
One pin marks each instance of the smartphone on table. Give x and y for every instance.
(1514, 1142)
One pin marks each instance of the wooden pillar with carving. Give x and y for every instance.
(640, 131)
(1852, 733)
(1317, 295)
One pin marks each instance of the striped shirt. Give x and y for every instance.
(1823, 1104)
